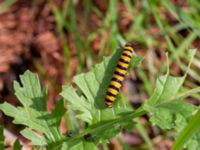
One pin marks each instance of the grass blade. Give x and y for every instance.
(144, 134)
(187, 132)
(1, 138)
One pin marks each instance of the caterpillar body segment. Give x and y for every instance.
(119, 74)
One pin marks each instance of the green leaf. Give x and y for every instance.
(169, 111)
(1, 138)
(165, 112)
(57, 113)
(80, 144)
(83, 145)
(33, 113)
(135, 61)
(77, 103)
(191, 130)
(17, 145)
(166, 87)
(166, 115)
(35, 138)
(193, 142)
(88, 100)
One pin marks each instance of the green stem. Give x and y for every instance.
(103, 126)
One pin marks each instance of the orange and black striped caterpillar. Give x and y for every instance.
(119, 74)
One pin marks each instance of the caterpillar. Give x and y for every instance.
(119, 74)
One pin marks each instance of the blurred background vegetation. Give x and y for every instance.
(61, 38)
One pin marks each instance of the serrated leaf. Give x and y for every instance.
(164, 113)
(167, 115)
(166, 105)
(35, 138)
(1, 138)
(30, 93)
(77, 103)
(88, 100)
(92, 88)
(166, 87)
(33, 113)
